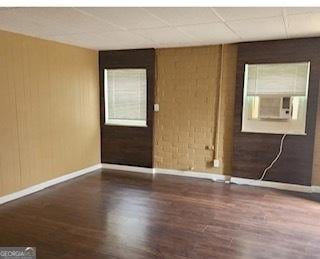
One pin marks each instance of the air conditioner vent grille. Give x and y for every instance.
(269, 107)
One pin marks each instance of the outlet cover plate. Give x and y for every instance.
(216, 163)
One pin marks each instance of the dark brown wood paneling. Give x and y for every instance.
(122, 144)
(253, 152)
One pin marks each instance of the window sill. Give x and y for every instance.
(127, 123)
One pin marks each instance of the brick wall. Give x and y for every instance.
(188, 83)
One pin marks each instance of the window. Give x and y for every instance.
(125, 97)
(275, 98)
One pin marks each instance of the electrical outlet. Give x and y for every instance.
(216, 163)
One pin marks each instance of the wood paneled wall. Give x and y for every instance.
(316, 154)
(253, 152)
(195, 90)
(49, 110)
(128, 145)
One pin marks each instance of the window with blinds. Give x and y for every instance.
(289, 79)
(125, 97)
(275, 98)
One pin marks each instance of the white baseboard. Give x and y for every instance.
(41, 186)
(269, 184)
(315, 189)
(217, 177)
(202, 175)
(135, 169)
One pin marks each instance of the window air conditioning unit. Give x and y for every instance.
(275, 108)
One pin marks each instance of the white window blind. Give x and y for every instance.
(126, 96)
(288, 79)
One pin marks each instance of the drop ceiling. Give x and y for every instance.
(105, 28)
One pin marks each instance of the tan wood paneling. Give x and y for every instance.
(9, 146)
(49, 110)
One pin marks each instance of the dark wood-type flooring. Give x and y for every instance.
(110, 214)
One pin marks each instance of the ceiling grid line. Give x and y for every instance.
(223, 20)
(285, 20)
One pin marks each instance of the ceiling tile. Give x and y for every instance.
(68, 20)
(304, 25)
(244, 13)
(260, 29)
(124, 38)
(90, 40)
(165, 36)
(127, 18)
(185, 15)
(210, 33)
(119, 40)
(302, 10)
(10, 20)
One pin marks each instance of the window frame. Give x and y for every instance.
(291, 127)
(123, 122)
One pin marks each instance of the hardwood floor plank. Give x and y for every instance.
(110, 214)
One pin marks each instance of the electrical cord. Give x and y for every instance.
(275, 160)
